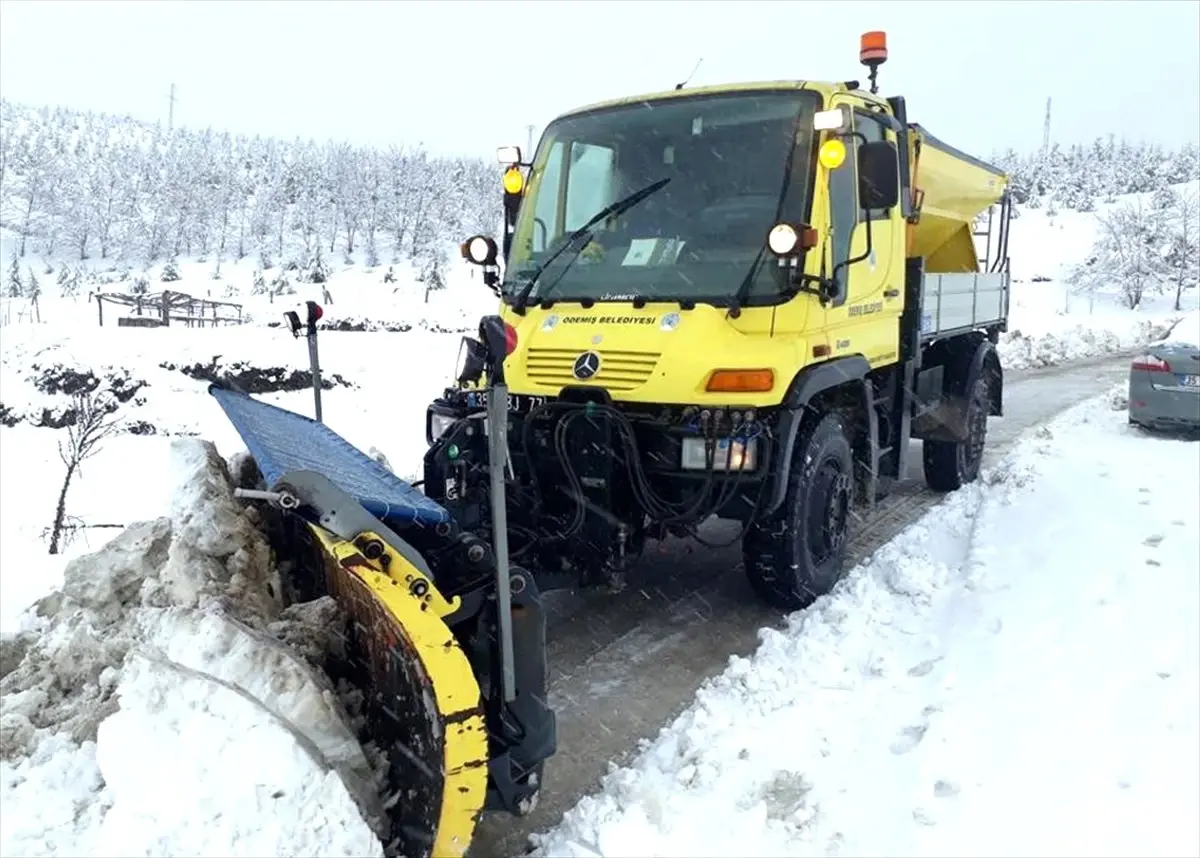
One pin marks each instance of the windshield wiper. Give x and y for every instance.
(584, 232)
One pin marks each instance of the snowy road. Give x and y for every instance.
(630, 663)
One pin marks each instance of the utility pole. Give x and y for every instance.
(529, 141)
(1046, 130)
(171, 109)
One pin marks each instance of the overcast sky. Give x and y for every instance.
(466, 77)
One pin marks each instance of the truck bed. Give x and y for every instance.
(957, 303)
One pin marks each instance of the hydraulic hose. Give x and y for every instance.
(658, 508)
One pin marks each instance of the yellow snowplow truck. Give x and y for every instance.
(739, 302)
(734, 301)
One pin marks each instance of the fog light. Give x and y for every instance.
(736, 454)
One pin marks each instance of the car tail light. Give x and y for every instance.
(1150, 363)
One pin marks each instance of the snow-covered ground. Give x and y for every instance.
(1016, 674)
(158, 711)
(72, 796)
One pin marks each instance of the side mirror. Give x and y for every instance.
(878, 175)
(313, 313)
(472, 361)
(499, 340)
(509, 155)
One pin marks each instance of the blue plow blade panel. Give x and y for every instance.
(281, 441)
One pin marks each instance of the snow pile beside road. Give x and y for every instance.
(1018, 673)
(1018, 350)
(154, 712)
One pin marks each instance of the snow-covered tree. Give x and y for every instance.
(431, 276)
(69, 282)
(316, 270)
(1181, 220)
(110, 187)
(1129, 253)
(15, 287)
(1076, 177)
(33, 286)
(33, 292)
(170, 272)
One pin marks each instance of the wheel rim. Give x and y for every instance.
(829, 517)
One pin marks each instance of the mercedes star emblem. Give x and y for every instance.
(586, 365)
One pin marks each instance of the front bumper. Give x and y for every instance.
(675, 452)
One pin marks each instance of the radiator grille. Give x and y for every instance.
(619, 370)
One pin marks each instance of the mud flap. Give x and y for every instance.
(424, 705)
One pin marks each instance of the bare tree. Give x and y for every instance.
(93, 423)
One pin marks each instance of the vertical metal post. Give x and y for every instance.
(315, 366)
(497, 424)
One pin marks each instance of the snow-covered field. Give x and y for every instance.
(1016, 674)
(187, 682)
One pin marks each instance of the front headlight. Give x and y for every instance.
(742, 457)
(439, 425)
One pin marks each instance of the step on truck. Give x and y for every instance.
(740, 302)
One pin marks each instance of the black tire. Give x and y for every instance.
(797, 554)
(950, 465)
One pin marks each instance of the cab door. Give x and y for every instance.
(864, 318)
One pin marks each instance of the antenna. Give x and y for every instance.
(171, 109)
(688, 79)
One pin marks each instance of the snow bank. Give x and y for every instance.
(1005, 678)
(157, 711)
(1019, 350)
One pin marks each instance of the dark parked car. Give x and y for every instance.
(1164, 383)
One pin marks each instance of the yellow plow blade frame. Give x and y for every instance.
(419, 675)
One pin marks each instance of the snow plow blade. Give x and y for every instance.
(419, 645)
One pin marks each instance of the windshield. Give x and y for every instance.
(697, 236)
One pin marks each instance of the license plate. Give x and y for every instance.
(1191, 381)
(523, 403)
(518, 403)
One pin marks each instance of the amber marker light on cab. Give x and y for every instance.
(741, 381)
(514, 181)
(832, 153)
